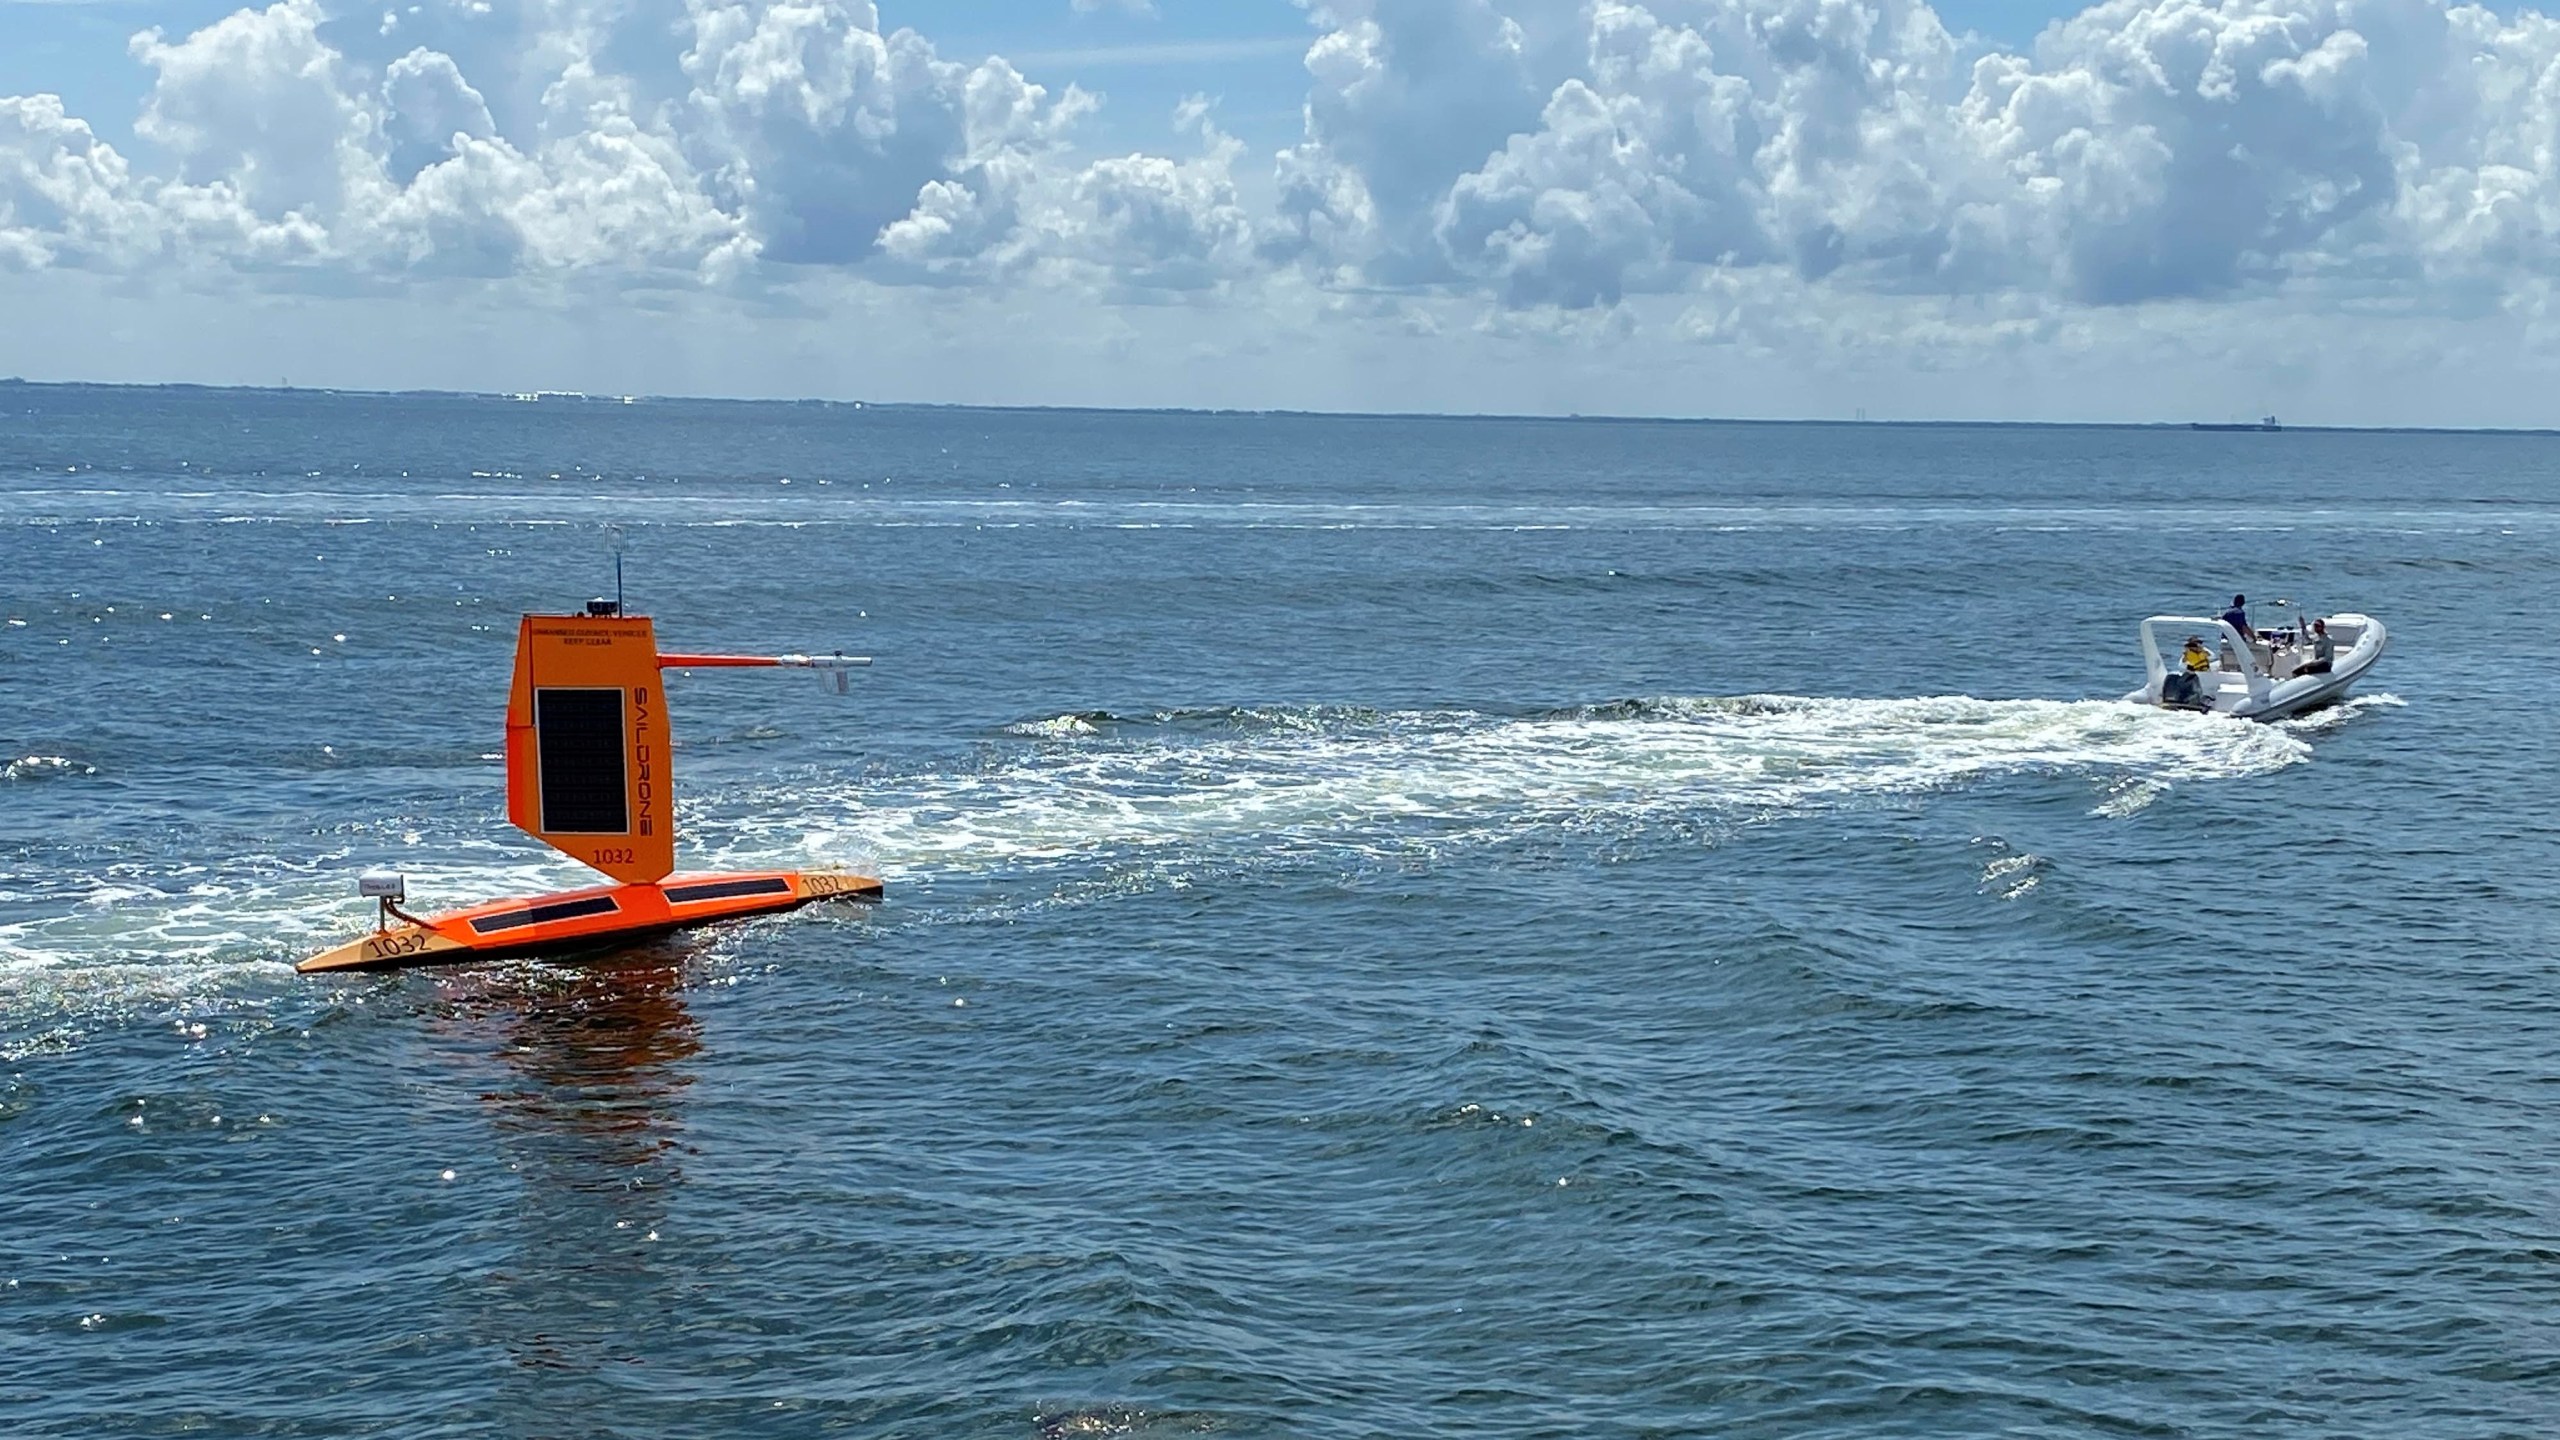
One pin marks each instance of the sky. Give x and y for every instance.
(2339, 211)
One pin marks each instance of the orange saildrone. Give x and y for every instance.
(588, 775)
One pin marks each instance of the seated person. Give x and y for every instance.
(2196, 657)
(2324, 651)
(2237, 617)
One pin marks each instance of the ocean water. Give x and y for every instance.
(1395, 927)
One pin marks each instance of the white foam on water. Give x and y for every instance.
(144, 940)
(44, 767)
(273, 908)
(2012, 876)
(2129, 795)
(2331, 717)
(1397, 782)
(1091, 806)
(1056, 727)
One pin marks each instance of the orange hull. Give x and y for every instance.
(593, 919)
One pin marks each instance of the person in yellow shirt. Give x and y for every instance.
(2197, 658)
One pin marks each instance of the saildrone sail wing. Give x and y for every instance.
(588, 744)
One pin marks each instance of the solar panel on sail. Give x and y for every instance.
(578, 737)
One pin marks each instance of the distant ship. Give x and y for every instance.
(2267, 422)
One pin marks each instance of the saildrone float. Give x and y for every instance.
(588, 774)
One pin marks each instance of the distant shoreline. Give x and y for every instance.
(581, 400)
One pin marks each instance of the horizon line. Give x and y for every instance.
(1573, 417)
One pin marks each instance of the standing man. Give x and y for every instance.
(2237, 617)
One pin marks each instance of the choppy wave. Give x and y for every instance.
(44, 767)
(1060, 727)
(2010, 873)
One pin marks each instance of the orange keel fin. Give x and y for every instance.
(588, 744)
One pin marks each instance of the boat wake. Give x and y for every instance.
(1394, 784)
(1073, 806)
(2330, 718)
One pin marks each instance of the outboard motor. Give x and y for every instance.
(2179, 690)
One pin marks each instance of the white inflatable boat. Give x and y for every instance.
(2263, 677)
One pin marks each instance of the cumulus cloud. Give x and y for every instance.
(429, 112)
(1739, 165)
(1137, 223)
(1405, 95)
(1160, 223)
(770, 134)
(2170, 151)
(830, 131)
(64, 193)
(2146, 149)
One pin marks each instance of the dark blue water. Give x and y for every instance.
(1395, 927)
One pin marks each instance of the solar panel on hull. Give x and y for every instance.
(726, 890)
(545, 914)
(578, 736)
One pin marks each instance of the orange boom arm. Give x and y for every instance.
(715, 662)
(837, 663)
